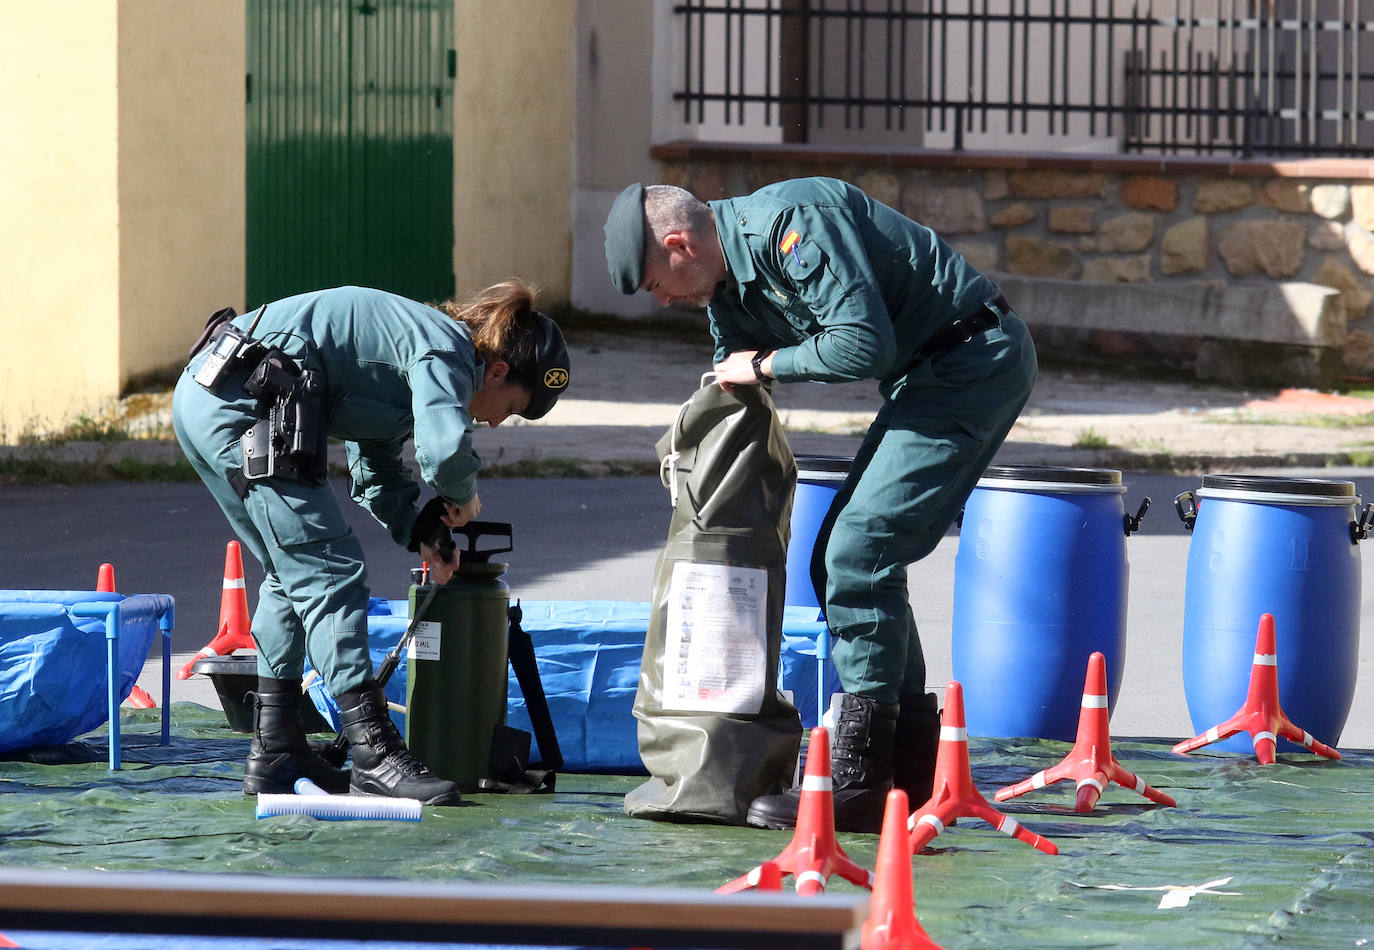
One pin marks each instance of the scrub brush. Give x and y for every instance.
(312, 800)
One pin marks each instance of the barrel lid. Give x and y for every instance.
(1283, 485)
(1054, 473)
(1053, 479)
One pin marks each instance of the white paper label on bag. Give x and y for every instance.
(715, 647)
(424, 645)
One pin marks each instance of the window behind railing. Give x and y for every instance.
(1227, 77)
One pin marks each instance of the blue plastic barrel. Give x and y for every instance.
(819, 478)
(1283, 546)
(1040, 583)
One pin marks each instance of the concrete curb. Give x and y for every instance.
(85, 462)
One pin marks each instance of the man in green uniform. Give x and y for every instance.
(812, 279)
(374, 370)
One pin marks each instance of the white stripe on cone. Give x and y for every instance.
(934, 822)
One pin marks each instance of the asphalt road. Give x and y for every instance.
(582, 539)
(170, 538)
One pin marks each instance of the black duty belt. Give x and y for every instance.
(963, 329)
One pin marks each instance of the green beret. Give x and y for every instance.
(625, 239)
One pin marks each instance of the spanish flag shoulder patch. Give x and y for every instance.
(789, 242)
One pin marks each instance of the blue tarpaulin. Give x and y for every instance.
(588, 654)
(53, 684)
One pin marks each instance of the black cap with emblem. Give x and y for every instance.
(549, 375)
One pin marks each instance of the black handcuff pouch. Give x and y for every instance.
(290, 441)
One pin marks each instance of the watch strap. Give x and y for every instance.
(757, 363)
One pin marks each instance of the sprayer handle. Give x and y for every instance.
(476, 529)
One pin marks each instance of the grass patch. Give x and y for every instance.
(1364, 420)
(567, 468)
(86, 428)
(1165, 463)
(44, 469)
(1359, 459)
(1090, 439)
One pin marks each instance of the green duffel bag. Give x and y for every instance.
(714, 731)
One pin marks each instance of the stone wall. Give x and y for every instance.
(1159, 225)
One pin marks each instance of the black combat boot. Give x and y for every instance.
(915, 747)
(382, 765)
(860, 770)
(279, 753)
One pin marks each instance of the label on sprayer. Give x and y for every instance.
(424, 643)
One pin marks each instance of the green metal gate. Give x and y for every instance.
(350, 146)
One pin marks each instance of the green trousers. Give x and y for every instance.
(922, 456)
(314, 597)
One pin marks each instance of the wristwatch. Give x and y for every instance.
(757, 363)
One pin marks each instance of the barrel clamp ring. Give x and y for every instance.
(1359, 528)
(1186, 506)
(1133, 521)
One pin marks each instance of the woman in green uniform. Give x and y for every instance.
(812, 279)
(252, 412)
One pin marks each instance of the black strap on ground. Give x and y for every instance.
(532, 687)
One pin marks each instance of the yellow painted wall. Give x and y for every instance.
(181, 173)
(59, 264)
(122, 181)
(512, 132)
(121, 189)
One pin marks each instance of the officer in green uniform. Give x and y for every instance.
(812, 279)
(252, 412)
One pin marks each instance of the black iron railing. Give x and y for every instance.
(1236, 77)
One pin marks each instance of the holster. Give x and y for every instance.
(290, 440)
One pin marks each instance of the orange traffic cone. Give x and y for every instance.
(140, 699)
(955, 795)
(892, 923)
(1090, 762)
(1261, 715)
(138, 696)
(233, 613)
(813, 854)
(768, 878)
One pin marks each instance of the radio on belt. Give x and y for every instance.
(230, 348)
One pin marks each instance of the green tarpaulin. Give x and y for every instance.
(1286, 848)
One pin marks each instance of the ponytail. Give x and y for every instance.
(502, 323)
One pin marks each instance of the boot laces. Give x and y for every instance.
(386, 739)
(406, 762)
